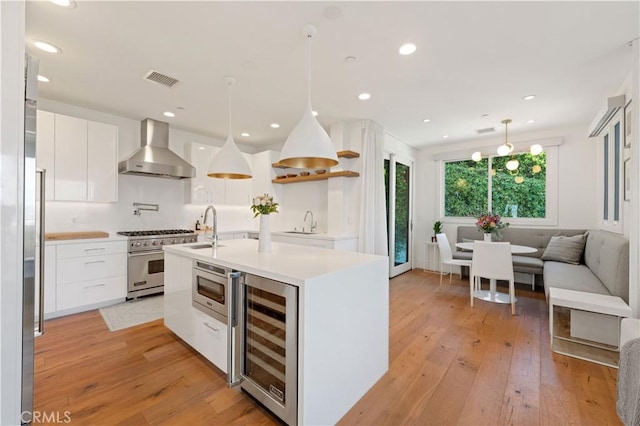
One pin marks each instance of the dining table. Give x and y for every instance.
(492, 295)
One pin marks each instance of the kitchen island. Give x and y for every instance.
(343, 316)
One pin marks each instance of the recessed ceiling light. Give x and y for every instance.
(315, 113)
(531, 121)
(426, 120)
(43, 79)
(529, 97)
(274, 125)
(445, 136)
(484, 116)
(169, 114)
(350, 59)
(64, 3)
(47, 47)
(364, 96)
(245, 134)
(201, 147)
(407, 49)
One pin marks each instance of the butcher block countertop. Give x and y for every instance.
(58, 236)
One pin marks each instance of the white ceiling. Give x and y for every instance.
(473, 58)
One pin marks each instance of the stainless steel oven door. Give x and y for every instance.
(145, 271)
(209, 290)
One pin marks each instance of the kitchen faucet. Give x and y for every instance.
(313, 225)
(214, 233)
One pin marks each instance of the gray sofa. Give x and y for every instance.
(604, 268)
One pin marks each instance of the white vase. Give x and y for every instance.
(487, 237)
(264, 235)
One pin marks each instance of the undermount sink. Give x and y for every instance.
(202, 246)
(299, 232)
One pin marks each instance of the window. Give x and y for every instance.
(472, 188)
(611, 160)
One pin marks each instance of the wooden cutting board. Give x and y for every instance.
(57, 236)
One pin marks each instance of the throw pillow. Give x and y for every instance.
(565, 249)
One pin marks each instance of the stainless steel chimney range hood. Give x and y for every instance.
(154, 158)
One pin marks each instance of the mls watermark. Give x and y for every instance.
(46, 416)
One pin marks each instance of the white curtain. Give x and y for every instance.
(372, 235)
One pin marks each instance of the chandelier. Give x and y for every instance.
(507, 148)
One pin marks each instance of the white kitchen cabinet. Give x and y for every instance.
(87, 274)
(70, 151)
(205, 334)
(205, 190)
(102, 155)
(80, 157)
(45, 149)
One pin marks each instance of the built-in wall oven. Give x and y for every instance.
(145, 260)
(263, 343)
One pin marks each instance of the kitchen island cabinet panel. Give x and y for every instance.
(70, 158)
(205, 334)
(343, 316)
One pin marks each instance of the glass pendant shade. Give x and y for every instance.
(536, 149)
(512, 164)
(229, 163)
(308, 145)
(476, 156)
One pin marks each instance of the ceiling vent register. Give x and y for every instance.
(485, 130)
(159, 78)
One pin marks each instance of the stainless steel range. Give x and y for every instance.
(145, 266)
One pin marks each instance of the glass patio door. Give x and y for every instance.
(398, 190)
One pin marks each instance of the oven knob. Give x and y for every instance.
(174, 241)
(155, 243)
(137, 244)
(184, 240)
(146, 243)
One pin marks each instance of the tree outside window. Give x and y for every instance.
(472, 188)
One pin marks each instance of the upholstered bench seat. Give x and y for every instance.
(572, 277)
(528, 265)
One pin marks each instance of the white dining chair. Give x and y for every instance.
(446, 257)
(493, 261)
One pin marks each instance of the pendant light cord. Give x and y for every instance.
(309, 37)
(229, 84)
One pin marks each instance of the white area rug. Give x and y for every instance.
(133, 312)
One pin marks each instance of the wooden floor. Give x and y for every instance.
(448, 364)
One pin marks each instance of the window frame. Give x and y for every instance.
(551, 193)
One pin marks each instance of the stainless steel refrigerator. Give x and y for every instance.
(33, 258)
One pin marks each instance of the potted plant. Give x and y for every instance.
(437, 228)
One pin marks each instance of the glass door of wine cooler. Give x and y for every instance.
(269, 312)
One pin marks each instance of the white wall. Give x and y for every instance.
(576, 192)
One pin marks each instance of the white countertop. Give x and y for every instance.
(288, 263)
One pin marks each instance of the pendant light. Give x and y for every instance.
(308, 145)
(229, 163)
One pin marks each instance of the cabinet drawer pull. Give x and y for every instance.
(95, 285)
(206, 324)
(95, 249)
(94, 261)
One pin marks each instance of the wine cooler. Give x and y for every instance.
(265, 342)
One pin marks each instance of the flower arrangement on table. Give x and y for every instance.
(264, 204)
(490, 223)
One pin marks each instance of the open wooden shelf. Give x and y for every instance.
(322, 176)
(341, 154)
(348, 154)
